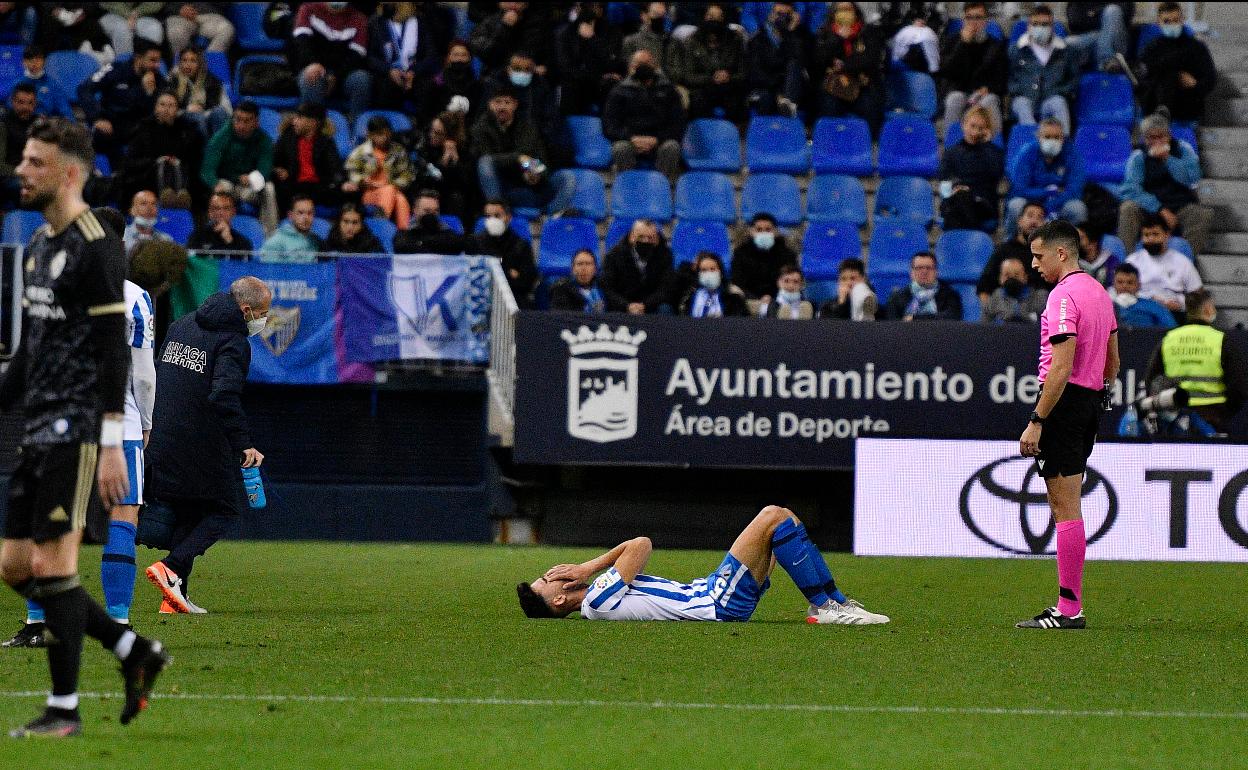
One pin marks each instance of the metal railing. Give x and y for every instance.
(501, 373)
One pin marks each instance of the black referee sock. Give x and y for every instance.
(65, 604)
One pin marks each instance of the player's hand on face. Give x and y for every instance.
(1029, 443)
(112, 476)
(570, 573)
(252, 458)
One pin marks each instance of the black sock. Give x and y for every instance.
(53, 711)
(64, 603)
(100, 626)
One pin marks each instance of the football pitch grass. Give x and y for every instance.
(366, 655)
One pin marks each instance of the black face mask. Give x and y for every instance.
(1156, 249)
(644, 73)
(644, 250)
(1013, 287)
(459, 70)
(714, 28)
(658, 26)
(430, 223)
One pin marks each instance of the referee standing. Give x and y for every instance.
(1078, 358)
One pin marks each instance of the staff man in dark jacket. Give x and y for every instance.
(199, 440)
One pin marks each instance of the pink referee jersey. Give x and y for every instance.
(1078, 307)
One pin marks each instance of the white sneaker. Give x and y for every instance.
(193, 608)
(851, 613)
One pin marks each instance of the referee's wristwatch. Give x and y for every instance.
(1036, 418)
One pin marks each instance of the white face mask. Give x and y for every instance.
(1172, 30)
(256, 325)
(148, 222)
(1125, 300)
(495, 226)
(1051, 147)
(1041, 34)
(520, 79)
(709, 279)
(765, 241)
(789, 297)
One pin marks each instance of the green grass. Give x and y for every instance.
(440, 622)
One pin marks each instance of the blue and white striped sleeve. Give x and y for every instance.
(604, 595)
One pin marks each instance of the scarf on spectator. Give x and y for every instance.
(593, 298)
(706, 304)
(922, 299)
(189, 91)
(849, 36)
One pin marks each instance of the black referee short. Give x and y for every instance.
(53, 492)
(1069, 433)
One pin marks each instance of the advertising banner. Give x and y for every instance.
(1145, 501)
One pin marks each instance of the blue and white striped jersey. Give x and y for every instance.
(647, 598)
(141, 334)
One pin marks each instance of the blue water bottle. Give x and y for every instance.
(254, 487)
(1129, 425)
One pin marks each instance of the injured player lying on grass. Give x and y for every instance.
(730, 593)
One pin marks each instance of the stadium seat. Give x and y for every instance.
(1115, 245)
(904, 197)
(962, 254)
(250, 228)
(218, 64)
(1105, 150)
(953, 135)
(453, 222)
(1020, 137)
(640, 194)
(10, 69)
(176, 223)
(1185, 132)
(20, 225)
(825, 245)
(908, 147)
(892, 246)
(249, 28)
(342, 132)
(286, 102)
(321, 227)
(70, 69)
(971, 309)
(836, 198)
(912, 92)
(706, 195)
(775, 194)
(590, 197)
(384, 229)
(777, 144)
(590, 148)
(103, 165)
(519, 225)
(617, 231)
(1020, 27)
(1105, 99)
(1150, 32)
(399, 122)
(690, 236)
(270, 122)
(711, 144)
(561, 238)
(842, 146)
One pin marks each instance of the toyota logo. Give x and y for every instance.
(1005, 505)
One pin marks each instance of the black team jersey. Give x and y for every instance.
(68, 278)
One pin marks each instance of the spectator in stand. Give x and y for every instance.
(537, 100)
(1049, 170)
(164, 155)
(1166, 275)
(927, 297)
(1161, 178)
(915, 47)
(294, 241)
(239, 160)
(405, 44)
(1044, 73)
(1178, 71)
(710, 66)
(589, 61)
(115, 99)
(848, 65)
(122, 22)
(970, 173)
(14, 125)
(510, 153)
(855, 299)
(52, 99)
(1099, 33)
(1095, 257)
(186, 21)
(455, 89)
(637, 273)
(144, 212)
(757, 260)
(974, 68)
(428, 233)
(329, 51)
(19, 22)
(516, 254)
(776, 60)
(515, 27)
(350, 236)
(217, 232)
(1018, 246)
(202, 96)
(305, 159)
(580, 292)
(651, 35)
(381, 171)
(714, 296)
(788, 302)
(1014, 300)
(644, 119)
(446, 165)
(1130, 307)
(74, 27)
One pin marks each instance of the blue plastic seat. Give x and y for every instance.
(1104, 150)
(453, 222)
(908, 147)
(589, 147)
(249, 28)
(270, 122)
(218, 64)
(775, 194)
(617, 231)
(399, 122)
(706, 195)
(962, 254)
(905, 198)
(836, 198)
(70, 69)
(842, 146)
(103, 165)
(1185, 132)
(321, 227)
(384, 229)
(774, 143)
(913, 92)
(562, 238)
(10, 69)
(641, 194)
(1106, 100)
(20, 225)
(176, 223)
(689, 236)
(590, 197)
(993, 29)
(953, 135)
(825, 245)
(519, 225)
(288, 102)
(1115, 246)
(250, 228)
(342, 132)
(971, 309)
(1020, 137)
(892, 246)
(711, 144)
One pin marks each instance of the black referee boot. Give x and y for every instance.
(30, 635)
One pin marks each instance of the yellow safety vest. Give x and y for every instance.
(1193, 355)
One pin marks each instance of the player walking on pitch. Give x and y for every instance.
(1078, 360)
(69, 370)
